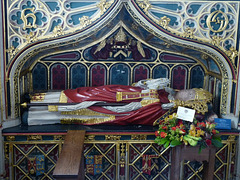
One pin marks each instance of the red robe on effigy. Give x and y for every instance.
(146, 115)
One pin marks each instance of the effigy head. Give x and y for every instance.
(159, 83)
(185, 95)
(194, 98)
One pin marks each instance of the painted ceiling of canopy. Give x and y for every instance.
(205, 30)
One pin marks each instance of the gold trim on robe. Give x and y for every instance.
(149, 101)
(120, 96)
(52, 108)
(85, 112)
(63, 98)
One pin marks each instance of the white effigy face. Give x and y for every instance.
(185, 95)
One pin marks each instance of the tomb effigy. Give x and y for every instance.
(116, 70)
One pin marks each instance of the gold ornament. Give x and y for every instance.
(164, 22)
(121, 36)
(199, 103)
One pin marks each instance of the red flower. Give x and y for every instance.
(214, 131)
(203, 124)
(163, 134)
(180, 122)
(209, 142)
(174, 128)
(182, 131)
(164, 127)
(157, 133)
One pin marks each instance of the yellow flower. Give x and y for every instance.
(185, 142)
(174, 115)
(192, 133)
(192, 127)
(181, 126)
(200, 133)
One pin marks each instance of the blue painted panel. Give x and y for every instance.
(55, 23)
(78, 76)
(197, 77)
(213, 67)
(193, 8)
(160, 71)
(40, 18)
(39, 76)
(169, 6)
(173, 20)
(75, 18)
(120, 74)
(53, 6)
(73, 5)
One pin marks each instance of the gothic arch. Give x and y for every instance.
(99, 28)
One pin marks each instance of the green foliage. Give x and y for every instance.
(174, 132)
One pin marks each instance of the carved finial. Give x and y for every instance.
(145, 5)
(232, 53)
(12, 51)
(216, 40)
(188, 32)
(58, 30)
(121, 36)
(164, 21)
(31, 37)
(104, 5)
(85, 20)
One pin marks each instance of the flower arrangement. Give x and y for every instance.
(173, 131)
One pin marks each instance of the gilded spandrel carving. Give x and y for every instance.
(232, 53)
(164, 22)
(145, 5)
(85, 21)
(58, 31)
(39, 17)
(104, 5)
(189, 32)
(210, 20)
(216, 40)
(25, 18)
(30, 38)
(214, 18)
(12, 51)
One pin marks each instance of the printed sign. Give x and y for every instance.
(185, 113)
(222, 123)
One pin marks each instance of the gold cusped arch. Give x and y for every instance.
(93, 33)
